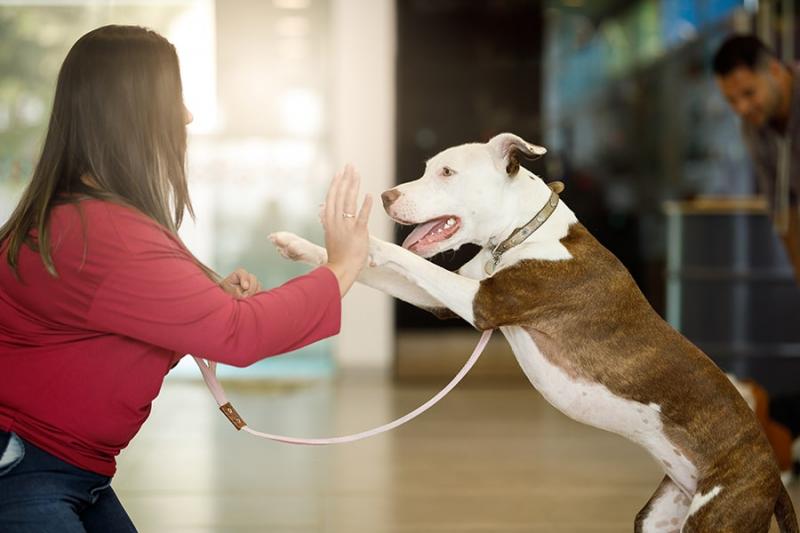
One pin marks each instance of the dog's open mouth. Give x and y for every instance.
(431, 232)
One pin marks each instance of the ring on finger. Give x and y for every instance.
(348, 215)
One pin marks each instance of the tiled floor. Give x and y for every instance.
(485, 460)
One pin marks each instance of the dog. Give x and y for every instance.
(580, 328)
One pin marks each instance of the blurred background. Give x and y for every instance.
(284, 92)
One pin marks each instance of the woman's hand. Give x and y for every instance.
(241, 284)
(346, 233)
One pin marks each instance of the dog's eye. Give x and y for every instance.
(447, 171)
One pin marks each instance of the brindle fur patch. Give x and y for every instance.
(442, 313)
(587, 316)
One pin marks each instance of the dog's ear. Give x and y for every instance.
(506, 148)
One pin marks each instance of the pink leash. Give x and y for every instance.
(209, 371)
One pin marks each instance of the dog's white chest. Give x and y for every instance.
(595, 405)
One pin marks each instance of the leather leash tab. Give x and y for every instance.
(232, 415)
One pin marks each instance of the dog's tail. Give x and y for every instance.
(784, 513)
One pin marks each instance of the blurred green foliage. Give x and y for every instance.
(33, 43)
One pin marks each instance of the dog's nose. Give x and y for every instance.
(389, 197)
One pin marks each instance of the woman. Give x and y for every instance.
(99, 298)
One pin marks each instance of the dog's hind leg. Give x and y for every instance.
(665, 511)
(746, 507)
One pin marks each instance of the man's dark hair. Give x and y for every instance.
(741, 51)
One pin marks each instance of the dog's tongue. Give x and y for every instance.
(419, 232)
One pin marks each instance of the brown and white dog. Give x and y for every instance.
(581, 330)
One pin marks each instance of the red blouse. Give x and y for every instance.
(83, 355)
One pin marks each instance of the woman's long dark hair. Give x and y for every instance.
(118, 120)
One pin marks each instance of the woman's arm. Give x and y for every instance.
(165, 299)
(157, 293)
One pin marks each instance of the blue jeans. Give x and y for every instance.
(40, 493)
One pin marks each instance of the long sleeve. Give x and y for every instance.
(101, 336)
(161, 297)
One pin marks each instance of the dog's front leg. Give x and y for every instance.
(381, 278)
(456, 292)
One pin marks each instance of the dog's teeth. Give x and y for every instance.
(450, 222)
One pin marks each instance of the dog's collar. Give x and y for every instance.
(523, 232)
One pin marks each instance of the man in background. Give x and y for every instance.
(765, 93)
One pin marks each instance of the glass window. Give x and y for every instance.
(256, 81)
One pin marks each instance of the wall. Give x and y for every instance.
(363, 44)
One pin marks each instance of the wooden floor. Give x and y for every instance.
(485, 460)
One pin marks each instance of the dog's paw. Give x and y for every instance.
(378, 255)
(298, 249)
